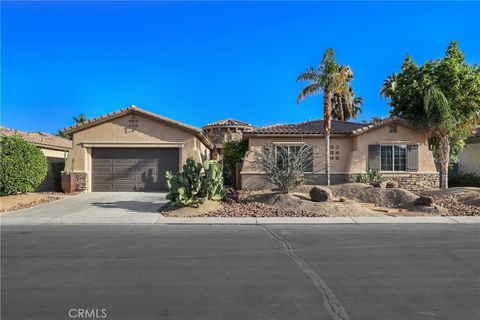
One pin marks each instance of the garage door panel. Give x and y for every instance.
(132, 169)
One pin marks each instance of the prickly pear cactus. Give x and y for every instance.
(213, 180)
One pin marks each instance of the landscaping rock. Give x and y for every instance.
(390, 185)
(319, 194)
(376, 184)
(424, 201)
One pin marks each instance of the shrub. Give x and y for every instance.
(464, 180)
(57, 168)
(22, 165)
(233, 152)
(283, 168)
(371, 177)
(195, 183)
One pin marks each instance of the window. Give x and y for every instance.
(286, 151)
(393, 158)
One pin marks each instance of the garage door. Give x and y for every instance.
(132, 169)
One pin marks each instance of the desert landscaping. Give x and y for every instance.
(343, 200)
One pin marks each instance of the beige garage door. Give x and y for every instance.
(132, 169)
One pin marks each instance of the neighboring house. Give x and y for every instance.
(53, 147)
(391, 146)
(130, 150)
(222, 131)
(469, 157)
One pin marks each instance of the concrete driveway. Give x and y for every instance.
(94, 207)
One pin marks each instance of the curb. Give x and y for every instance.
(338, 220)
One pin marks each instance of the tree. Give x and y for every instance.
(442, 98)
(22, 165)
(353, 108)
(80, 119)
(233, 152)
(322, 81)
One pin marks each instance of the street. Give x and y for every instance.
(351, 272)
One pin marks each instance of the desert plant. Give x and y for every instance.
(212, 184)
(22, 165)
(371, 177)
(233, 152)
(196, 183)
(283, 167)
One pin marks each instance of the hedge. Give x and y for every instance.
(22, 165)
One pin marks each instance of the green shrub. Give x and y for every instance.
(22, 165)
(464, 180)
(195, 183)
(233, 152)
(371, 177)
(57, 168)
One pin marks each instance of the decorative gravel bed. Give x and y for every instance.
(255, 209)
(456, 208)
(27, 200)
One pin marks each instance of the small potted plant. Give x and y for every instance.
(69, 181)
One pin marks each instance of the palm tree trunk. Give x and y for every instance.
(340, 109)
(444, 161)
(326, 122)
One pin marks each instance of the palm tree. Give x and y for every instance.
(388, 86)
(347, 110)
(322, 81)
(437, 122)
(80, 119)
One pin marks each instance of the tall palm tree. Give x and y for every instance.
(350, 106)
(342, 96)
(322, 81)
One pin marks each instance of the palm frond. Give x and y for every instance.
(309, 90)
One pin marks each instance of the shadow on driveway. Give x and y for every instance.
(133, 206)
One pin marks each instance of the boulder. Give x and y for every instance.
(424, 201)
(319, 194)
(391, 184)
(377, 184)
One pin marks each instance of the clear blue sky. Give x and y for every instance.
(201, 62)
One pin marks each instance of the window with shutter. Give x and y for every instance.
(412, 157)
(374, 156)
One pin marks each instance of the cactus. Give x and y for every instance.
(213, 180)
(195, 183)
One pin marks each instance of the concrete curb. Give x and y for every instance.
(339, 220)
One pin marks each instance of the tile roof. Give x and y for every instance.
(228, 123)
(134, 109)
(308, 127)
(40, 139)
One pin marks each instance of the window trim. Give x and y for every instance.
(393, 145)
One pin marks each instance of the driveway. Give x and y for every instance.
(330, 272)
(93, 207)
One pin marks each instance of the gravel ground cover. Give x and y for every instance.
(27, 200)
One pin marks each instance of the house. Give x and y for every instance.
(130, 150)
(468, 159)
(391, 146)
(225, 130)
(53, 147)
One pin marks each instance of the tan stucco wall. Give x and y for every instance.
(404, 135)
(353, 153)
(344, 143)
(149, 133)
(469, 159)
(53, 153)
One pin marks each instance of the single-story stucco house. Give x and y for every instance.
(130, 150)
(53, 147)
(391, 146)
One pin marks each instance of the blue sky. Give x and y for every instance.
(200, 62)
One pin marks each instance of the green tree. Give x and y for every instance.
(80, 119)
(233, 152)
(22, 165)
(442, 98)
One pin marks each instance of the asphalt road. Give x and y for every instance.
(138, 272)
